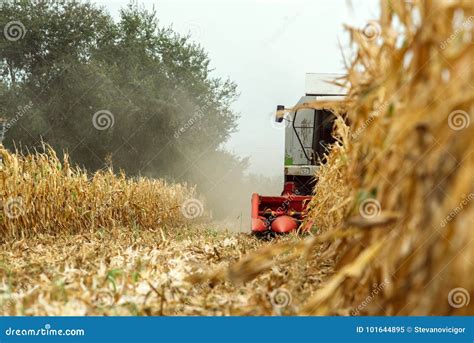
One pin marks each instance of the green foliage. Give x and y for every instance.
(170, 116)
(74, 61)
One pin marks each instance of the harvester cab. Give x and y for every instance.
(308, 135)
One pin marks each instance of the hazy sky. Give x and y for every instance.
(266, 47)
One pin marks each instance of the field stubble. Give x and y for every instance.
(124, 271)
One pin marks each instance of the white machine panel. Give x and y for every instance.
(318, 87)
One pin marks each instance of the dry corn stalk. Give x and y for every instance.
(401, 173)
(409, 155)
(42, 195)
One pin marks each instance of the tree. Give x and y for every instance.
(132, 90)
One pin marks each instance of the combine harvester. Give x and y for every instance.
(308, 134)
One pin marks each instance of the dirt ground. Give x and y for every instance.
(136, 272)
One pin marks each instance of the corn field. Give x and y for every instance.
(392, 211)
(42, 195)
(393, 204)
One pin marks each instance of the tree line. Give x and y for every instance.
(127, 91)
